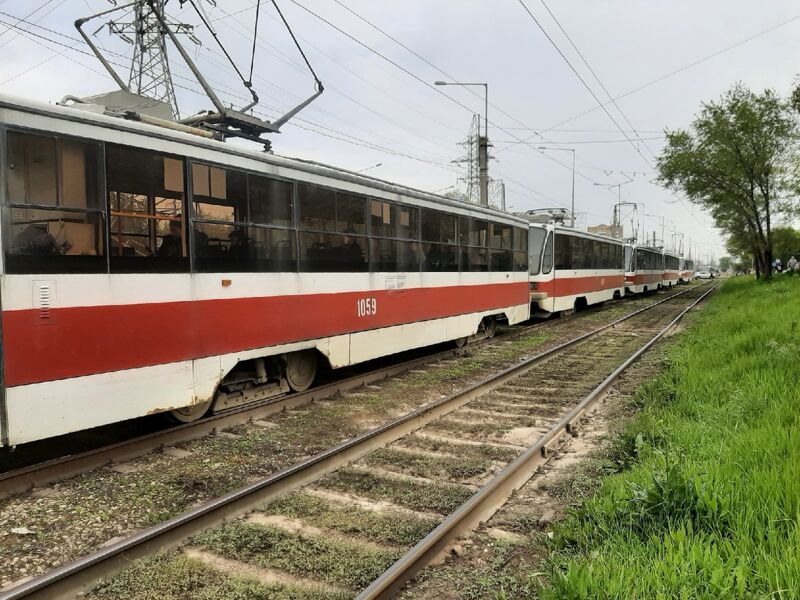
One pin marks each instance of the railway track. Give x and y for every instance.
(64, 467)
(442, 468)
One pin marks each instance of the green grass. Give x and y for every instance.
(707, 502)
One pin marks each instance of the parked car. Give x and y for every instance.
(704, 274)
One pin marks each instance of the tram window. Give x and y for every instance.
(146, 209)
(323, 252)
(219, 194)
(380, 217)
(547, 259)
(537, 237)
(45, 171)
(474, 259)
(602, 260)
(394, 256)
(223, 247)
(563, 252)
(478, 233)
(317, 207)
(32, 170)
(55, 241)
(520, 239)
(439, 257)
(500, 236)
(577, 252)
(501, 260)
(351, 214)
(407, 222)
(271, 201)
(520, 261)
(52, 191)
(438, 226)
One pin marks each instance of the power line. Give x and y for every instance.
(673, 73)
(474, 93)
(427, 84)
(594, 74)
(419, 56)
(582, 80)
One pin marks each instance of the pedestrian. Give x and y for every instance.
(791, 266)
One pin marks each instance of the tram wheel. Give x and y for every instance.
(301, 368)
(187, 414)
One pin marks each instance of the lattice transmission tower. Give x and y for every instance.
(150, 73)
(471, 178)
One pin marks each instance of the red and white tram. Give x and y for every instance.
(572, 269)
(687, 270)
(672, 270)
(644, 269)
(147, 270)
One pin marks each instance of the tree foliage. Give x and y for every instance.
(725, 263)
(737, 161)
(786, 243)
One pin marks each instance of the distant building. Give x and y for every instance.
(610, 230)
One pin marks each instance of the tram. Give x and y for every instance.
(571, 269)
(149, 269)
(687, 270)
(672, 270)
(644, 269)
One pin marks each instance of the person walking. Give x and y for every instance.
(791, 266)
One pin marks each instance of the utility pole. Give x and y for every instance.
(483, 142)
(150, 73)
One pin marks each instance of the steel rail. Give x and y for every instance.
(72, 578)
(485, 502)
(24, 478)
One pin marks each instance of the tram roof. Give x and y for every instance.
(307, 166)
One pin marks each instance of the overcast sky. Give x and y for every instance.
(373, 111)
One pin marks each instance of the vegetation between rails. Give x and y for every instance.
(709, 506)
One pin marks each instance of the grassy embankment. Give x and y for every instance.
(708, 502)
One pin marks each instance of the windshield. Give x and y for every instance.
(628, 256)
(536, 238)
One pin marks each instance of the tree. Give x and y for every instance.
(725, 263)
(786, 243)
(737, 162)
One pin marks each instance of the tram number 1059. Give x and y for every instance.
(366, 307)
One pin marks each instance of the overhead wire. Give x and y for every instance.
(341, 136)
(582, 80)
(672, 73)
(594, 74)
(422, 81)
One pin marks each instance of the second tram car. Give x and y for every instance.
(687, 270)
(644, 269)
(150, 270)
(572, 269)
(672, 270)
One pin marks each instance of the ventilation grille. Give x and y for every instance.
(44, 296)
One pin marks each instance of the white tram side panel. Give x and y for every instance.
(572, 269)
(94, 347)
